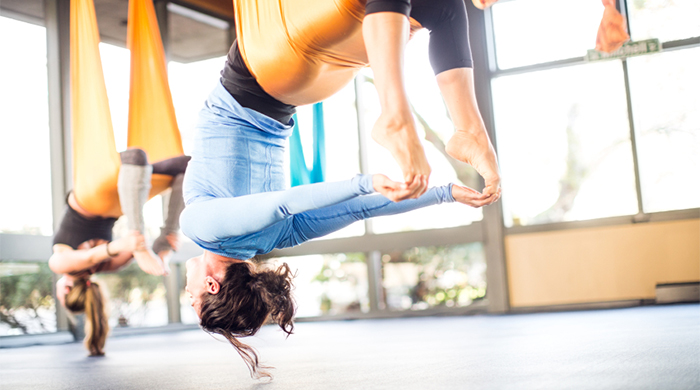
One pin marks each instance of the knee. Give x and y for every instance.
(134, 156)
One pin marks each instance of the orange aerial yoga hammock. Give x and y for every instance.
(152, 123)
(318, 41)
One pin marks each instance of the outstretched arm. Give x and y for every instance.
(66, 259)
(318, 223)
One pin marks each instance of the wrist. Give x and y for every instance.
(113, 252)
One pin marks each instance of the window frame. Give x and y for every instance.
(495, 72)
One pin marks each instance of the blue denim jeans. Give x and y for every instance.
(234, 187)
(237, 151)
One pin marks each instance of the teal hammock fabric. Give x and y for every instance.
(300, 173)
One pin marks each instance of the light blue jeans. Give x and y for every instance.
(234, 188)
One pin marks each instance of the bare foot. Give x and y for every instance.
(149, 262)
(471, 197)
(477, 151)
(400, 138)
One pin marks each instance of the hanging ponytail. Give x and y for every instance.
(247, 298)
(86, 296)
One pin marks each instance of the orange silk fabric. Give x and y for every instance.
(152, 123)
(612, 32)
(95, 158)
(302, 51)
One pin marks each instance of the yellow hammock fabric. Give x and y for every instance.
(302, 52)
(152, 123)
(95, 159)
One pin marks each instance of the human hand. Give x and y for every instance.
(165, 255)
(132, 242)
(395, 191)
(473, 198)
(174, 241)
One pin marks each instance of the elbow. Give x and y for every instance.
(55, 264)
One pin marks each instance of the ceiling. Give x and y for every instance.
(198, 29)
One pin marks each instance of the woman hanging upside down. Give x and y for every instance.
(83, 244)
(297, 52)
(290, 53)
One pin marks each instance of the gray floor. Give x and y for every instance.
(639, 348)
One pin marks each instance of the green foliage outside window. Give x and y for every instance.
(26, 301)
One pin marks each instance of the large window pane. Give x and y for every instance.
(136, 299)
(190, 85)
(116, 69)
(666, 106)
(328, 284)
(426, 277)
(342, 143)
(534, 31)
(564, 144)
(431, 116)
(25, 173)
(26, 303)
(667, 20)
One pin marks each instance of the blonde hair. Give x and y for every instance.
(86, 296)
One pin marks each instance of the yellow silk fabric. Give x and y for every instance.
(152, 124)
(302, 51)
(95, 158)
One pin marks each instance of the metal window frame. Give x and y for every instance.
(641, 216)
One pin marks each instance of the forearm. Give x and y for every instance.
(68, 260)
(318, 223)
(221, 218)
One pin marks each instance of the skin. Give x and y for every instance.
(148, 261)
(206, 272)
(396, 130)
(89, 255)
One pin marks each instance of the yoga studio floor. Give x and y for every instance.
(637, 348)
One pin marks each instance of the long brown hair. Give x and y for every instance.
(86, 296)
(247, 298)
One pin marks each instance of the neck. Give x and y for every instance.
(210, 256)
(218, 264)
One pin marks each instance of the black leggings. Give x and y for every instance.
(447, 22)
(171, 167)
